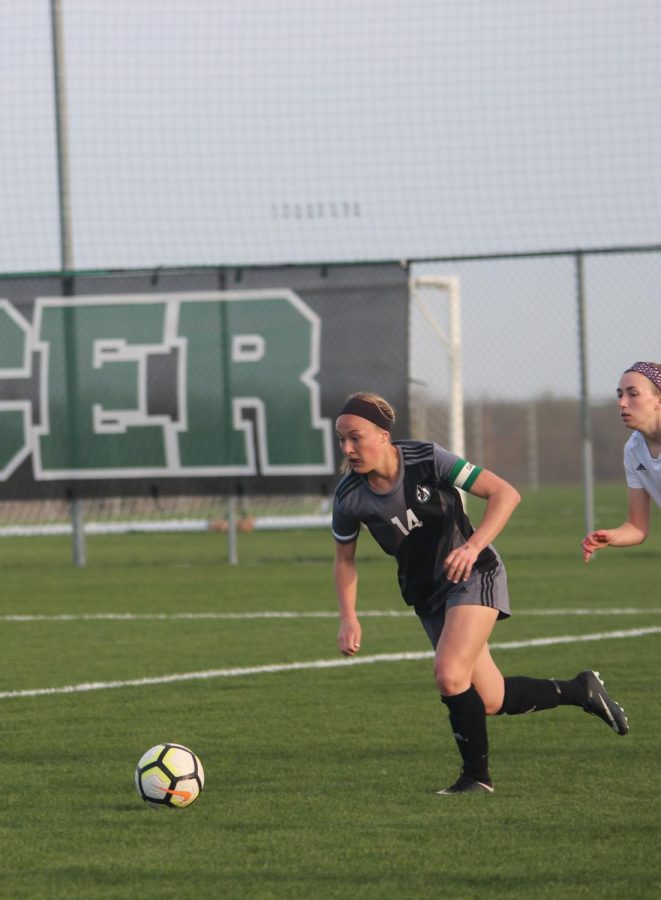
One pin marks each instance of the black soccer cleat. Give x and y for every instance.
(466, 785)
(598, 703)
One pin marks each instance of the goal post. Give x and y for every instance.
(447, 289)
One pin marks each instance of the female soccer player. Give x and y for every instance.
(405, 492)
(639, 402)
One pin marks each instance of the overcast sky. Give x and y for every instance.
(269, 131)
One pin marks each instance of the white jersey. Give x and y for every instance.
(641, 469)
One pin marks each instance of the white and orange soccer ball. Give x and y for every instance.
(169, 775)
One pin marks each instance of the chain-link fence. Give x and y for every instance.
(522, 373)
(509, 148)
(525, 380)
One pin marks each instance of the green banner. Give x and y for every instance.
(245, 399)
(210, 382)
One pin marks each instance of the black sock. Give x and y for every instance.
(523, 695)
(469, 725)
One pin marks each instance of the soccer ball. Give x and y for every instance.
(169, 775)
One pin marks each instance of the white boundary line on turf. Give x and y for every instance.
(334, 663)
(309, 614)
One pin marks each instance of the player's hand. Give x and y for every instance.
(348, 637)
(594, 541)
(459, 563)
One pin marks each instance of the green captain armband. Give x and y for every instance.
(463, 474)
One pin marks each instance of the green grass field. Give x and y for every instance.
(320, 781)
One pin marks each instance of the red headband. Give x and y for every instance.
(649, 370)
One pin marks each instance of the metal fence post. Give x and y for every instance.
(587, 462)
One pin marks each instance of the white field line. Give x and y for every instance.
(334, 663)
(309, 614)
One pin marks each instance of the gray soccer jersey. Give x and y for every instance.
(418, 522)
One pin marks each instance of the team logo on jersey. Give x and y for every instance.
(422, 493)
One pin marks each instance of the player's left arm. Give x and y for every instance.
(638, 517)
(502, 499)
(633, 531)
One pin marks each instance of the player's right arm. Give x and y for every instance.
(345, 575)
(633, 531)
